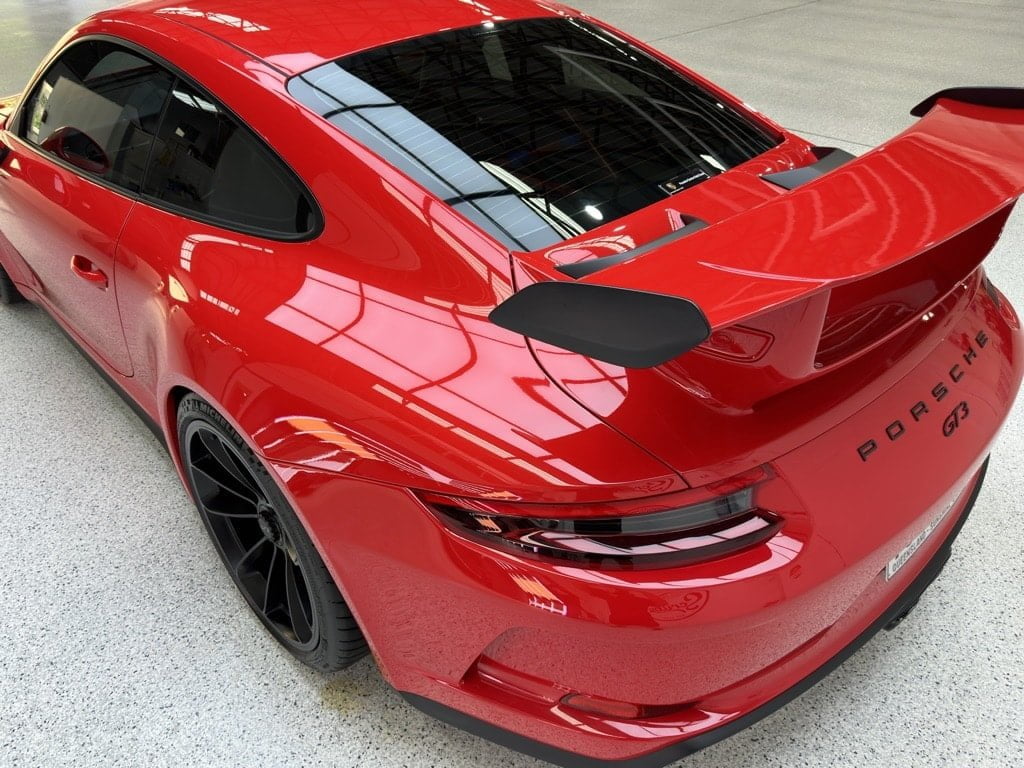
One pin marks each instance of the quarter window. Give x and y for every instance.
(206, 163)
(98, 108)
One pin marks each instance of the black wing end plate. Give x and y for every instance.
(829, 158)
(982, 96)
(634, 329)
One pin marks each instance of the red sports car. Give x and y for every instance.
(607, 413)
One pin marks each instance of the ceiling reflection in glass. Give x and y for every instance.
(536, 130)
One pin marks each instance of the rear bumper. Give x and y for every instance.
(888, 618)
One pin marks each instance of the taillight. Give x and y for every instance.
(675, 534)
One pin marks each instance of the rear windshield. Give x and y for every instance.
(536, 130)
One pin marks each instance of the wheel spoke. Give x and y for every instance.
(226, 459)
(249, 554)
(235, 515)
(301, 623)
(270, 577)
(226, 487)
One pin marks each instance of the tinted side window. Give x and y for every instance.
(206, 163)
(98, 108)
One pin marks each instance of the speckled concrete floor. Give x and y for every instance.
(123, 642)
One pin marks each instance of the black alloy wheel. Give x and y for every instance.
(263, 544)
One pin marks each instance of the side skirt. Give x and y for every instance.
(139, 411)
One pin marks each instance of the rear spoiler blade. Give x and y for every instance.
(846, 220)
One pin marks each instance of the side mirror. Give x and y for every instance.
(78, 149)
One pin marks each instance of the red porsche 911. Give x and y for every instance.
(608, 414)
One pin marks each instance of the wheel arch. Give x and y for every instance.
(170, 403)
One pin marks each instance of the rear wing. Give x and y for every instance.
(844, 219)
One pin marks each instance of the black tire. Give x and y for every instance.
(8, 290)
(264, 546)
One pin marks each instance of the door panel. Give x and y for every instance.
(79, 151)
(53, 217)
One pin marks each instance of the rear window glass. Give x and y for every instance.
(536, 130)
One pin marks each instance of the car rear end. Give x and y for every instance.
(820, 357)
(634, 660)
(847, 481)
(871, 401)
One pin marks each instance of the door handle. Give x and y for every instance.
(89, 272)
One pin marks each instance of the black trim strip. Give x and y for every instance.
(590, 266)
(354, 107)
(469, 197)
(829, 158)
(890, 616)
(979, 95)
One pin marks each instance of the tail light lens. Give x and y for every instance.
(675, 534)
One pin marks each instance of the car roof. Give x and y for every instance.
(299, 35)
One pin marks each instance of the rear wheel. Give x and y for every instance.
(8, 291)
(264, 546)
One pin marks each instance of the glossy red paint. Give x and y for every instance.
(361, 365)
(295, 37)
(53, 210)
